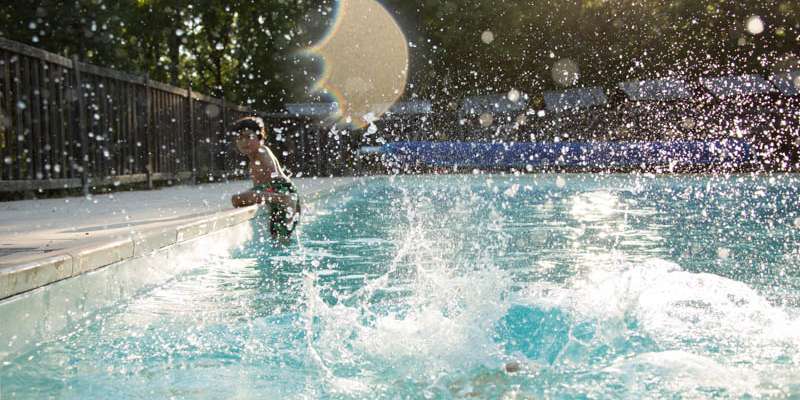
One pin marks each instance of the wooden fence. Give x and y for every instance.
(67, 124)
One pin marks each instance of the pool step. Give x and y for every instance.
(22, 272)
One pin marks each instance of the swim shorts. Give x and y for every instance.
(282, 219)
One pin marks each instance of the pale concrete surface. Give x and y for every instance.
(41, 226)
(43, 241)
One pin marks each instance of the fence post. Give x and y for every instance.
(148, 131)
(193, 145)
(82, 126)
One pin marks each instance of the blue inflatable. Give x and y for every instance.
(570, 154)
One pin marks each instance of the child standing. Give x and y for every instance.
(271, 186)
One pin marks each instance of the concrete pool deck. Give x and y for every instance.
(45, 241)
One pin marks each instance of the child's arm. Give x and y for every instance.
(250, 198)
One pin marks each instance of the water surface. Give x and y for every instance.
(582, 286)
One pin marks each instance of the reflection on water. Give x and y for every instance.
(471, 286)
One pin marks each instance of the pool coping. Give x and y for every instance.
(22, 274)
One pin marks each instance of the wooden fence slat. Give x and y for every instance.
(159, 130)
(82, 132)
(133, 111)
(6, 109)
(47, 133)
(67, 115)
(36, 120)
(60, 167)
(148, 134)
(121, 107)
(27, 147)
(190, 137)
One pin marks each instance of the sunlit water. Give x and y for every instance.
(437, 287)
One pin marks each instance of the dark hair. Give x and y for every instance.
(251, 123)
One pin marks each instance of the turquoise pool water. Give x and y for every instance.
(537, 286)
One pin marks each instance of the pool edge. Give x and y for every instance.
(25, 273)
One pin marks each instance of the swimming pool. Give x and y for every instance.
(487, 286)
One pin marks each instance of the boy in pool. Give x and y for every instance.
(271, 186)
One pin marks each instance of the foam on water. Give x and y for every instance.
(693, 329)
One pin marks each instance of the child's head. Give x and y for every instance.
(248, 134)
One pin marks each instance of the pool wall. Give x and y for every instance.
(44, 314)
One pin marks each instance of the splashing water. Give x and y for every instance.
(475, 286)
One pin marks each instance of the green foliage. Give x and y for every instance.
(247, 50)
(609, 40)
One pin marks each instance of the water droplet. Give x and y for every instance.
(21, 105)
(8, 160)
(565, 72)
(487, 37)
(212, 110)
(560, 182)
(723, 253)
(486, 119)
(513, 95)
(755, 25)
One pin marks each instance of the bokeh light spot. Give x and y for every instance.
(486, 119)
(487, 37)
(755, 25)
(366, 60)
(565, 72)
